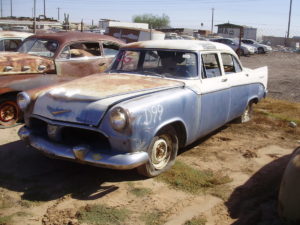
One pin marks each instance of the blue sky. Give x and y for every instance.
(270, 16)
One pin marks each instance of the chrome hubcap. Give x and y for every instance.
(160, 153)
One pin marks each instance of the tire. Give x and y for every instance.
(9, 112)
(289, 192)
(260, 50)
(240, 52)
(247, 114)
(165, 140)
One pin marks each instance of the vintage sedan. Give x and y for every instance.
(44, 59)
(157, 96)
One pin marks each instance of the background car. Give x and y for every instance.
(234, 44)
(261, 48)
(45, 59)
(11, 40)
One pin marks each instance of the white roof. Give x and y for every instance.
(15, 34)
(191, 45)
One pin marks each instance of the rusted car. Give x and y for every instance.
(158, 96)
(11, 40)
(46, 59)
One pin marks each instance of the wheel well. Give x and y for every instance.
(254, 100)
(180, 131)
(9, 95)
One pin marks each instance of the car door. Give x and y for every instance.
(215, 94)
(238, 82)
(81, 59)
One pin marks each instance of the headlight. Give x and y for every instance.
(118, 119)
(23, 100)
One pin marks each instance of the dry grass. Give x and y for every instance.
(186, 178)
(102, 215)
(200, 220)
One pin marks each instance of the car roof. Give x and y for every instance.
(190, 45)
(70, 36)
(15, 34)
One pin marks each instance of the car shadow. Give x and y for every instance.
(25, 170)
(255, 202)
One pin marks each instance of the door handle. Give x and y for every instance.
(224, 79)
(8, 68)
(41, 67)
(247, 75)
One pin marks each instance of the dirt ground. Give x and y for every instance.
(284, 73)
(37, 190)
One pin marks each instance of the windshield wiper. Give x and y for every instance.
(151, 73)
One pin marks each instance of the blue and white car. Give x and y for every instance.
(158, 96)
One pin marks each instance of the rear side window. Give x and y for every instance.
(82, 49)
(230, 64)
(210, 65)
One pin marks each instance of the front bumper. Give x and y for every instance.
(81, 154)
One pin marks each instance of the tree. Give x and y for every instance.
(153, 20)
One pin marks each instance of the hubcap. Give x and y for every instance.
(8, 112)
(160, 153)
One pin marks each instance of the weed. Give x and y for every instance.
(139, 191)
(200, 220)
(6, 201)
(101, 215)
(5, 220)
(186, 178)
(153, 218)
(29, 204)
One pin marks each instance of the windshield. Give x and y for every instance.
(177, 64)
(40, 47)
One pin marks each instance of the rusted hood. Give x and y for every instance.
(85, 100)
(22, 63)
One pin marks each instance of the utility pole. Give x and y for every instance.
(289, 24)
(10, 8)
(1, 9)
(58, 13)
(34, 16)
(45, 9)
(212, 20)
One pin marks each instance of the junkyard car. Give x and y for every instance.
(261, 48)
(45, 59)
(244, 49)
(11, 40)
(158, 96)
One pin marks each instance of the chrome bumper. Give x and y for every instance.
(82, 154)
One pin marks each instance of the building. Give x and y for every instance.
(228, 30)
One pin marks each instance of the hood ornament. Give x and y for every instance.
(58, 111)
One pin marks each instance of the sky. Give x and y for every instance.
(269, 16)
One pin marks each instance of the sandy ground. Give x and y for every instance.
(253, 155)
(284, 73)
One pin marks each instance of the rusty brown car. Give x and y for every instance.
(46, 59)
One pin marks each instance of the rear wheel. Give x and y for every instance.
(162, 153)
(240, 52)
(260, 50)
(247, 114)
(9, 112)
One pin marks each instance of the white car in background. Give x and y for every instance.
(261, 48)
(244, 49)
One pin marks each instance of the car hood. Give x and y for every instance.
(86, 100)
(22, 63)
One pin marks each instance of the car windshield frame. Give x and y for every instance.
(48, 47)
(185, 63)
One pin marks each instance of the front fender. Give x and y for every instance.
(149, 113)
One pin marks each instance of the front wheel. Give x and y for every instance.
(162, 153)
(9, 113)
